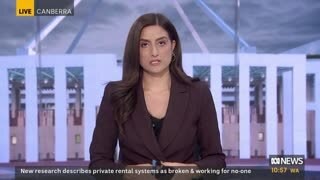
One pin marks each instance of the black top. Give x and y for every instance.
(156, 125)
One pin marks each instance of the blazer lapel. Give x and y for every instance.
(178, 102)
(143, 126)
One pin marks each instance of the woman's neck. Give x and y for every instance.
(156, 83)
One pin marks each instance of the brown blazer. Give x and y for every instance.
(190, 122)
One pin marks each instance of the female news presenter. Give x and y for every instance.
(156, 111)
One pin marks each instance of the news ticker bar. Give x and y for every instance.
(44, 7)
(264, 172)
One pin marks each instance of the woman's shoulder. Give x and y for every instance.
(110, 86)
(198, 85)
(200, 92)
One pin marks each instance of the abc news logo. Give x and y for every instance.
(287, 160)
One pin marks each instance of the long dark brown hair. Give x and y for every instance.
(124, 95)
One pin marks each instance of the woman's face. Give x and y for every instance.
(155, 49)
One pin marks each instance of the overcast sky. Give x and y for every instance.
(272, 26)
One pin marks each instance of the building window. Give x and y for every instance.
(203, 73)
(77, 138)
(310, 88)
(261, 136)
(14, 140)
